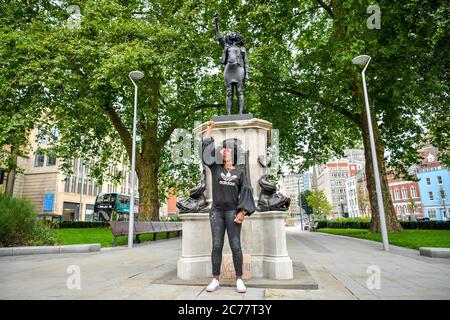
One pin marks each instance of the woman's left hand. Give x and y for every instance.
(239, 217)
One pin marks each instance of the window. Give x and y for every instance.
(432, 213)
(442, 192)
(73, 188)
(439, 179)
(39, 160)
(95, 188)
(428, 181)
(51, 161)
(404, 196)
(79, 185)
(431, 195)
(85, 186)
(413, 192)
(397, 194)
(90, 187)
(67, 184)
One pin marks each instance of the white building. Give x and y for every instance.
(351, 184)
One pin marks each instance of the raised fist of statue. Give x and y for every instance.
(216, 15)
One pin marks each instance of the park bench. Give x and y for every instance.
(120, 228)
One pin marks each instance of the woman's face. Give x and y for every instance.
(226, 155)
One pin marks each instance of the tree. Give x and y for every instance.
(363, 198)
(21, 79)
(302, 79)
(310, 90)
(89, 96)
(305, 204)
(319, 203)
(412, 207)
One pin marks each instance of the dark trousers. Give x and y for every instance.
(221, 220)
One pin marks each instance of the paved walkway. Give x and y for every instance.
(338, 264)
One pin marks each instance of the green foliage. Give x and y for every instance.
(80, 224)
(305, 205)
(363, 223)
(344, 223)
(301, 77)
(319, 203)
(19, 226)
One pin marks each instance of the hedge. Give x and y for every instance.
(81, 224)
(362, 224)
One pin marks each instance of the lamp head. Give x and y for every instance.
(136, 75)
(362, 60)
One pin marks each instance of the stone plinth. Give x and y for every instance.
(255, 135)
(263, 237)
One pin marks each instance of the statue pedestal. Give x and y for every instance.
(262, 236)
(255, 134)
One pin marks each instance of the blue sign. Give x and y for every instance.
(48, 201)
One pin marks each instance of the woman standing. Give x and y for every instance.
(232, 199)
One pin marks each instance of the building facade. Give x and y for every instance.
(434, 186)
(331, 179)
(406, 198)
(351, 184)
(53, 193)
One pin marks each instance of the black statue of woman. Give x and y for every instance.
(234, 58)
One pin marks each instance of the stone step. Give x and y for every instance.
(435, 252)
(75, 248)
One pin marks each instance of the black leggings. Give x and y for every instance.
(221, 220)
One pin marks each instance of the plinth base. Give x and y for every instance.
(262, 236)
(233, 117)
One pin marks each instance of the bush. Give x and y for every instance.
(345, 223)
(423, 225)
(19, 225)
(364, 223)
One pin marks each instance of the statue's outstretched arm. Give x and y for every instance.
(219, 35)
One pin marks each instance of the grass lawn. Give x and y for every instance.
(413, 239)
(99, 235)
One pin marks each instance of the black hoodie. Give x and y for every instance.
(231, 189)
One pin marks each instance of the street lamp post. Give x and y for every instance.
(300, 204)
(80, 207)
(364, 60)
(133, 75)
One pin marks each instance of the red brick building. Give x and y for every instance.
(406, 198)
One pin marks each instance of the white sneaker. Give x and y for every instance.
(213, 286)
(240, 286)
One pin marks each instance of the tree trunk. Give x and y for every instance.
(11, 174)
(10, 182)
(147, 172)
(392, 223)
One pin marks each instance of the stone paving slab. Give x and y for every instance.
(337, 264)
(302, 280)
